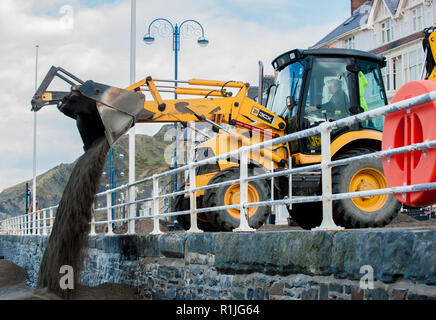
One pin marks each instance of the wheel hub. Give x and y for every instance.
(368, 179)
(233, 196)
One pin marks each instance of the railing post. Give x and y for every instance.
(326, 177)
(34, 222)
(51, 219)
(273, 207)
(156, 229)
(92, 232)
(192, 185)
(38, 220)
(110, 231)
(132, 210)
(243, 187)
(281, 211)
(44, 222)
(290, 184)
(21, 225)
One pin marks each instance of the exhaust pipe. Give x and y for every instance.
(99, 110)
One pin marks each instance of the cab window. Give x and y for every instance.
(288, 83)
(328, 97)
(371, 91)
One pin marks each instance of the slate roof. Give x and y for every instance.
(392, 5)
(359, 18)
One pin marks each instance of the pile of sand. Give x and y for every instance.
(11, 274)
(12, 287)
(403, 219)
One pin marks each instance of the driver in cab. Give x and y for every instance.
(337, 105)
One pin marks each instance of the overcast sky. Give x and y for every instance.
(94, 45)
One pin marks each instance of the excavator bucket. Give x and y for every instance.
(99, 110)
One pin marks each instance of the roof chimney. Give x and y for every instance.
(356, 4)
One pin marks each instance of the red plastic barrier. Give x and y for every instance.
(406, 127)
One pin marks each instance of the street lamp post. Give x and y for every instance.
(111, 171)
(176, 32)
(132, 132)
(34, 134)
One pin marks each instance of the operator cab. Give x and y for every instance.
(317, 85)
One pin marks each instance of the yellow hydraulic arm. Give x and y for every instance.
(218, 105)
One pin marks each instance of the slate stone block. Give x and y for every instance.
(172, 245)
(335, 287)
(310, 294)
(203, 243)
(376, 294)
(422, 262)
(323, 291)
(148, 246)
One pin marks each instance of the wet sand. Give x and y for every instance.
(12, 287)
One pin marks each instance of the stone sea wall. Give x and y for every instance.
(263, 265)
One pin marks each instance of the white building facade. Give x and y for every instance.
(391, 28)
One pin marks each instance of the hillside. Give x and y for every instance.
(50, 185)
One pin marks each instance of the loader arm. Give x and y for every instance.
(239, 111)
(219, 106)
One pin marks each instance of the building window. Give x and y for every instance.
(387, 31)
(418, 18)
(386, 73)
(394, 74)
(412, 62)
(391, 74)
(349, 43)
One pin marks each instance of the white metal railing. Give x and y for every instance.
(34, 223)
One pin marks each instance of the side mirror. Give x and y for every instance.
(356, 110)
(290, 102)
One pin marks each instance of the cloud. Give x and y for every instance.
(98, 49)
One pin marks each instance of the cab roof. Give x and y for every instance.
(297, 54)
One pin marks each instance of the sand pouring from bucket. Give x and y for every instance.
(97, 108)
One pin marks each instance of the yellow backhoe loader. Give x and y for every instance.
(312, 86)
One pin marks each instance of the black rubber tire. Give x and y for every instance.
(181, 204)
(306, 215)
(346, 213)
(221, 219)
